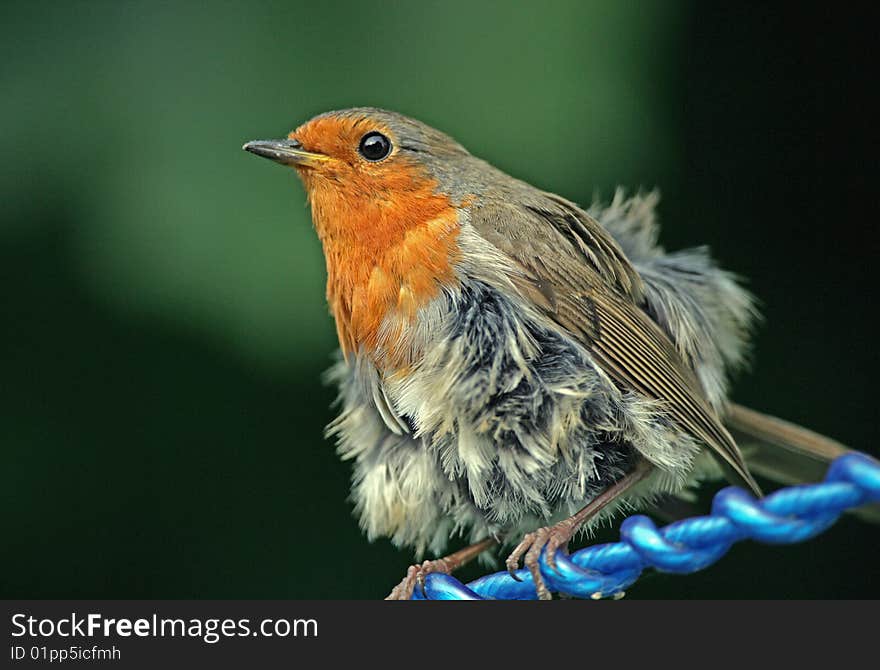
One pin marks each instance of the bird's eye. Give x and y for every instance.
(374, 146)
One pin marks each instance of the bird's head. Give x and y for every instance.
(366, 160)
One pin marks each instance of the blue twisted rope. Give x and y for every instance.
(787, 516)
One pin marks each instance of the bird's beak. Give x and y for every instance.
(286, 152)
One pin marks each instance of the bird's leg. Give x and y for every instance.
(553, 538)
(416, 573)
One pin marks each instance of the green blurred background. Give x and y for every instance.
(164, 326)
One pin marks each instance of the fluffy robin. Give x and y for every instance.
(513, 366)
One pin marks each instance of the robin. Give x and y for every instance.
(515, 367)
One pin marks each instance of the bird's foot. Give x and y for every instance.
(415, 576)
(549, 539)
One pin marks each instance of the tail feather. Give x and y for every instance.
(785, 452)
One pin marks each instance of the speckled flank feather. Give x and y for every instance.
(505, 422)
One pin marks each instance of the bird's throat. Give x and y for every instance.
(387, 256)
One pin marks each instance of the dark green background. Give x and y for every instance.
(164, 326)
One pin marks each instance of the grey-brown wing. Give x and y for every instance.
(591, 290)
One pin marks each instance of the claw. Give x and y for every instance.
(512, 561)
(415, 577)
(554, 544)
(551, 556)
(548, 541)
(531, 546)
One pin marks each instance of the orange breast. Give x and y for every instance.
(389, 247)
